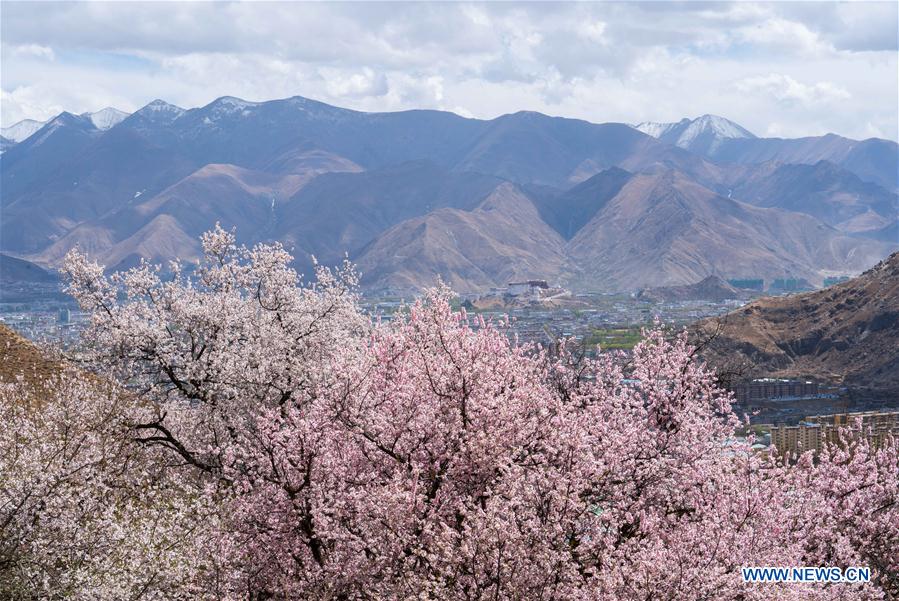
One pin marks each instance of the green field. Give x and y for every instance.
(615, 338)
(757, 429)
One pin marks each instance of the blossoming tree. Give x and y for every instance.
(85, 513)
(429, 457)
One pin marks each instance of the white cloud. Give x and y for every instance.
(593, 31)
(783, 35)
(361, 84)
(786, 66)
(26, 102)
(785, 89)
(35, 50)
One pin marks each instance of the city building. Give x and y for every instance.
(791, 440)
(814, 431)
(756, 284)
(775, 388)
(790, 285)
(875, 425)
(835, 280)
(530, 287)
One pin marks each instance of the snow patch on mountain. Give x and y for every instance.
(233, 104)
(709, 130)
(313, 109)
(22, 130)
(106, 118)
(721, 127)
(657, 130)
(161, 107)
(157, 113)
(225, 107)
(102, 120)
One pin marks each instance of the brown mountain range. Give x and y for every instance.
(502, 239)
(614, 231)
(650, 229)
(846, 333)
(405, 195)
(665, 229)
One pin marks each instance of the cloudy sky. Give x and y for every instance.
(779, 69)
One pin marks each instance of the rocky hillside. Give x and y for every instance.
(712, 288)
(847, 333)
(503, 239)
(19, 358)
(664, 229)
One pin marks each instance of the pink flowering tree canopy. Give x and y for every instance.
(430, 457)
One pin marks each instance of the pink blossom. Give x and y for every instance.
(333, 457)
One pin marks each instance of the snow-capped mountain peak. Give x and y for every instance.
(106, 118)
(657, 130)
(720, 126)
(22, 130)
(704, 133)
(233, 103)
(226, 106)
(63, 120)
(158, 112)
(160, 106)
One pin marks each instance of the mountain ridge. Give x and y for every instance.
(845, 334)
(703, 134)
(329, 181)
(103, 119)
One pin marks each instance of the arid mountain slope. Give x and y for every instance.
(569, 212)
(340, 213)
(712, 288)
(664, 229)
(21, 358)
(614, 231)
(528, 147)
(167, 225)
(84, 179)
(873, 160)
(626, 231)
(502, 239)
(847, 333)
(832, 194)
